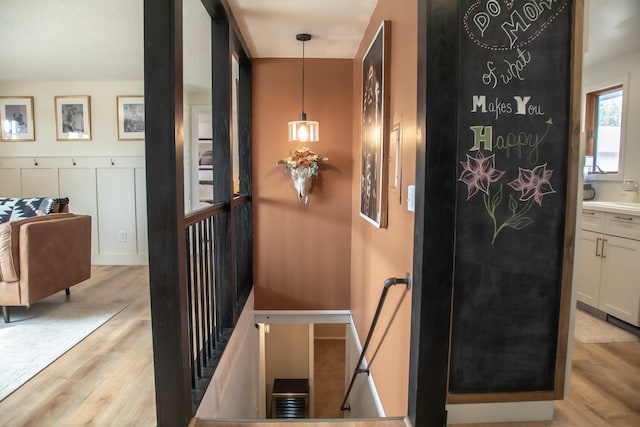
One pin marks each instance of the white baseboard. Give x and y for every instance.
(120, 259)
(469, 413)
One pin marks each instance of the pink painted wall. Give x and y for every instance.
(377, 254)
(302, 252)
(324, 255)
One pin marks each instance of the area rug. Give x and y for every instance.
(37, 336)
(590, 329)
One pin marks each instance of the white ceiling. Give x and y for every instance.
(270, 27)
(612, 29)
(102, 39)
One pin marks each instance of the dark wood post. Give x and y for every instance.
(434, 217)
(222, 166)
(165, 209)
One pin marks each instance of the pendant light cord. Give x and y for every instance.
(303, 37)
(303, 113)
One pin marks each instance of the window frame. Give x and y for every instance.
(590, 96)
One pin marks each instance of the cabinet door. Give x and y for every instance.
(620, 290)
(589, 265)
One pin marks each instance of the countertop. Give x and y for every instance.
(613, 207)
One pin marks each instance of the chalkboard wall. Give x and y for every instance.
(513, 139)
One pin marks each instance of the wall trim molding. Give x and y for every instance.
(88, 182)
(370, 383)
(500, 412)
(302, 316)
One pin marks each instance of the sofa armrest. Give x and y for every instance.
(54, 254)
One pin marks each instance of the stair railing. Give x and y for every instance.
(358, 370)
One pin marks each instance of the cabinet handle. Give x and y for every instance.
(603, 243)
(597, 245)
(625, 218)
(588, 213)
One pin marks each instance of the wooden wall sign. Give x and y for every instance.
(516, 120)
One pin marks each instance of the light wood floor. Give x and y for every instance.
(386, 422)
(605, 389)
(329, 366)
(107, 379)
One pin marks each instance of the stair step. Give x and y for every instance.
(381, 422)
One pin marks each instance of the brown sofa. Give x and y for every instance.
(42, 255)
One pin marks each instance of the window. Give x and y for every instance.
(603, 126)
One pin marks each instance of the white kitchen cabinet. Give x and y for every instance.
(620, 290)
(588, 277)
(608, 276)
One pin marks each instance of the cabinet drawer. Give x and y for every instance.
(593, 220)
(623, 225)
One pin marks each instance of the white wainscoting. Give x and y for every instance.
(364, 399)
(110, 189)
(234, 390)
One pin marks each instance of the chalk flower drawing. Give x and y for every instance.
(533, 183)
(479, 172)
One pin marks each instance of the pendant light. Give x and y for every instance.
(304, 130)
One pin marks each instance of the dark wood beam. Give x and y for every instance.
(222, 167)
(165, 209)
(435, 211)
(244, 124)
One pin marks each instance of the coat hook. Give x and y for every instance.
(35, 162)
(112, 162)
(73, 161)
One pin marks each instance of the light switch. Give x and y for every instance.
(411, 198)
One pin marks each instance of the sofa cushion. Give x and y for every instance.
(59, 205)
(7, 266)
(10, 245)
(13, 208)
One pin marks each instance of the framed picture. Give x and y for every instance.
(16, 118)
(375, 129)
(73, 118)
(130, 111)
(395, 158)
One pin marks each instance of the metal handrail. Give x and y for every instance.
(387, 284)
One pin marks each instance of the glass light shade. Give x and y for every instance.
(304, 131)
